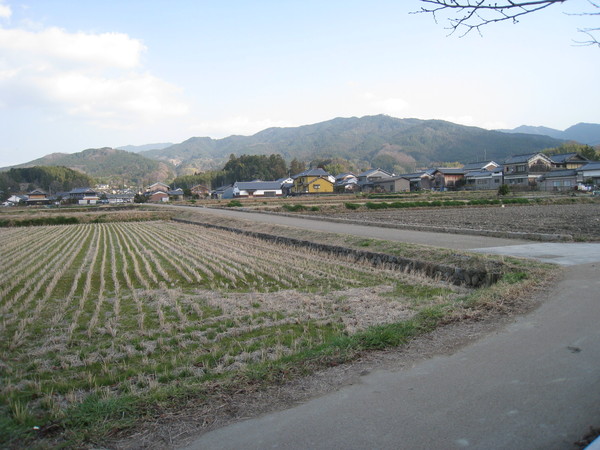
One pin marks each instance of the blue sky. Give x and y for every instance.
(87, 74)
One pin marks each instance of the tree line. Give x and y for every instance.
(51, 179)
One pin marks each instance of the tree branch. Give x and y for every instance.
(474, 14)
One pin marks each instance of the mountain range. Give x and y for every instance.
(367, 141)
(410, 142)
(584, 133)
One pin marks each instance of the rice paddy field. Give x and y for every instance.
(97, 317)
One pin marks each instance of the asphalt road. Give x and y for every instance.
(533, 385)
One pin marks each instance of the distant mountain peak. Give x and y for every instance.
(584, 133)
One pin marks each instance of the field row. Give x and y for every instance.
(131, 306)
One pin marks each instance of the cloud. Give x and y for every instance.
(5, 11)
(97, 77)
(56, 46)
(235, 125)
(385, 105)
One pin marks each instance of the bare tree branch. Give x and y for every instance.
(474, 14)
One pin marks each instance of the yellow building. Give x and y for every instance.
(314, 181)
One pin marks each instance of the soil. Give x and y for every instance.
(171, 429)
(175, 429)
(581, 220)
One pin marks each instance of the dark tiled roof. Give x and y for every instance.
(560, 173)
(595, 165)
(370, 172)
(519, 158)
(450, 170)
(82, 191)
(564, 157)
(312, 173)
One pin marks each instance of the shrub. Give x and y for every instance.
(352, 206)
(294, 208)
(503, 189)
(382, 205)
(234, 203)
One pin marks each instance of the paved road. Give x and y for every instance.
(533, 385)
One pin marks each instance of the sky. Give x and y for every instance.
(79, 74)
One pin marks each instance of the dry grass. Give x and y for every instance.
(103, 314)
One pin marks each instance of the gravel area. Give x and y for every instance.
(581, 220)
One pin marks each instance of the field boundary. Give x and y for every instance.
(455, 275)
(543, 237)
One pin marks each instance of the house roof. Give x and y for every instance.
(223, 188)
(594, 165)
(416, 174)
(478, 165)
(564, 157)
(318, 172)
(450, 170)
(258, 185)
(560, 174)
(387, 180)
(177, 191)
(82, 191)
(37, 192)
(344, 175)
(516, 159)
(368, 173)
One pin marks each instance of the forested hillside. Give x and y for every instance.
(107, 165)
(380, 140)
(50, 179)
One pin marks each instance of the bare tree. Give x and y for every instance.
(474, 14)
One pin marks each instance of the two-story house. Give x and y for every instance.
(523, 171)
(313, 181)
(367, 178)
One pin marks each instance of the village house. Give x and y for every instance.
(392, 184)
(37, 197)
(224, 192)
(175, 194)
(84, 196)
(448, 178)
(157, 196)
(523, 171)
(480, 165)
(568, 161)
(15, 199)
(368, 177)
(484, 179)
(419, 181)
(114, 199)
(200, 190)
(158, 186)
(313, 181)
(257, 189)
(589, 172)
(346, 183)
(558, 180)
